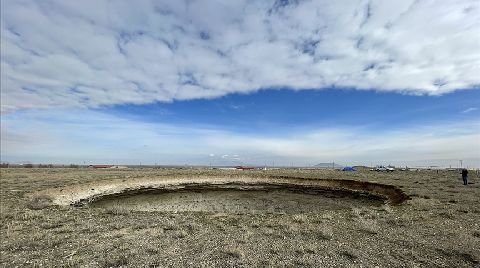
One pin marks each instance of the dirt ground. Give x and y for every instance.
(438, 227)
(236, 201)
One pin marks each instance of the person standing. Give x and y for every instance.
(465, 176)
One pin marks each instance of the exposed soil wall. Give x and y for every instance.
(84, 194)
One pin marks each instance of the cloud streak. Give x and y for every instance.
(93, 53)
(469, 110)
(77, 136)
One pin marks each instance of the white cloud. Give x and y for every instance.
(468, 110)
(79, 135)
(91, 53)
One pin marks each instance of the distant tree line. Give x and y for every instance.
(28, 165)
(45, 166)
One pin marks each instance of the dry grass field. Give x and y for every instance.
(438, 227)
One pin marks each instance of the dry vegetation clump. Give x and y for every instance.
(439, 226)
(39, 202)
(476, 234)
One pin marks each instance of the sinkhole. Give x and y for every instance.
(243, 197)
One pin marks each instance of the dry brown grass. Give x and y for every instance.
(438, 227)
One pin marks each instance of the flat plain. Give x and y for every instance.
(438, 227)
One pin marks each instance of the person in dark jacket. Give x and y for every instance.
(465, 176)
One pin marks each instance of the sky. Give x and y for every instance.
(241, 82)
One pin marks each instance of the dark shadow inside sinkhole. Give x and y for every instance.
(238, 199)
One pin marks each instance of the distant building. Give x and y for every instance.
(101, 166)
(245, 167)
(119, 167)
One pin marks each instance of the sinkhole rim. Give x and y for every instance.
(236, 198)
(84, 194)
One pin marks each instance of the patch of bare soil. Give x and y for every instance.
(286, 195)
(237, 201)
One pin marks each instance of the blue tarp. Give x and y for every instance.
(349, 169)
